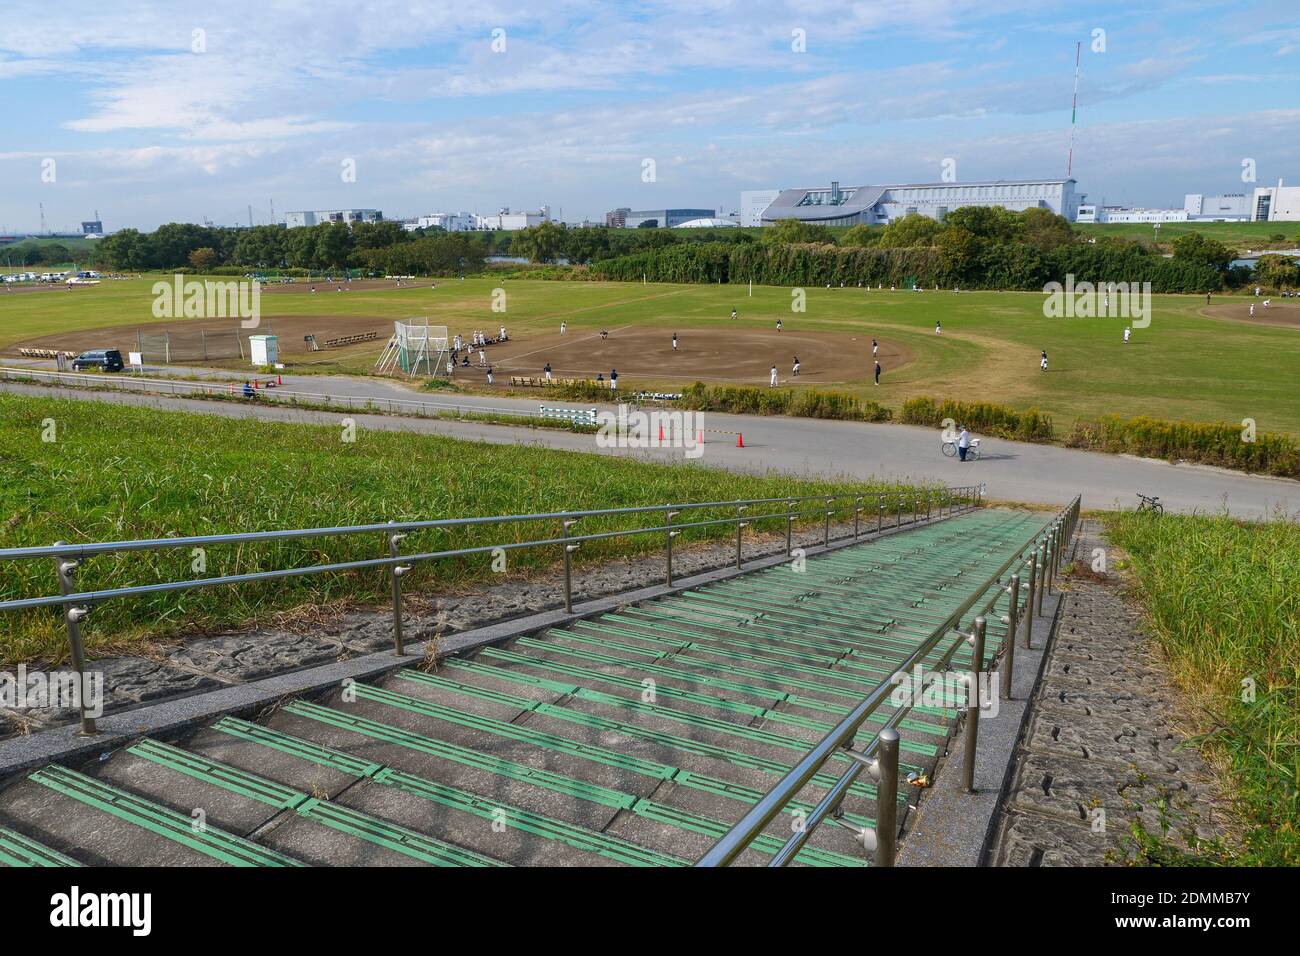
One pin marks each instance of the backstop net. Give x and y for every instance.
(417, 348)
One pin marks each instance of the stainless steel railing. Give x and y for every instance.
(68, 558)
(1043, 554)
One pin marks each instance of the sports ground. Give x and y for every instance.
(1196, 361)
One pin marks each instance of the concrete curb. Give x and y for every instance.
(66, 744)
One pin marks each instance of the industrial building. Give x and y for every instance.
(1276, 203)
(507, 221)
(752, 204)
(665, 218)
(294, 220)
(878, 205)
(448, 221)
(1229, 207)
(1092, 213)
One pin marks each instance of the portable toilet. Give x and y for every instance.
(264, 349)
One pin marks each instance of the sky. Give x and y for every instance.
(152, 112)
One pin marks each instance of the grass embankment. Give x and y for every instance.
(1224, 604)
(118, 472)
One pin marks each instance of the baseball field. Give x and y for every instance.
(1194, 361)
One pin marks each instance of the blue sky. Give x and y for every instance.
(154, 112)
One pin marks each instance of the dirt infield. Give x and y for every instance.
(742, 356)
(189, 332)
(1280, 312)
(300, 286)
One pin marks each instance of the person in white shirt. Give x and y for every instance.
(773, 380)
(963, 443)
(1127, 333)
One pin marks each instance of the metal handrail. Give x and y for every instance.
(220, 388)
(76, 604)
(1052, 536)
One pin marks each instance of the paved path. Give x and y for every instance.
(1101, 751)
(1014, 471)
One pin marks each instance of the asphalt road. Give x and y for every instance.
(1013, 471)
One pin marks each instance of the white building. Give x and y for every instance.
(706, 222)
(1276, 203)
(507, 221)
(752, 204)
(1229, 207)
(294, 220)
(872, 205)
(450, 221)
(1092, 213)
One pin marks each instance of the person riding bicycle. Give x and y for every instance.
(963, 443)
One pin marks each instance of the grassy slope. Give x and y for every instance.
(120, 472)
(1235, 235)
(1224, 603)
(1185, 366)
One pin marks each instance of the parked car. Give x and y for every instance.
(107, 360)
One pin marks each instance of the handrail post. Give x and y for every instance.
(827, 540)
(1032, 562)
(880, 516)
(1012, 621)
(789, 525)
(1040, 558)
(857, 516)
(65, 569)
(565, 525)
(668, 547)
(395, 572)
(898, 511)
(929, 502)
(887, 798)
(740, 525)
(973, 705)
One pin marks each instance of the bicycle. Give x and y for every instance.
(949, 449)
(1151, 503)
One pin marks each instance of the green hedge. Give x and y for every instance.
(750, 400)
(1211, 443)
(999, 420)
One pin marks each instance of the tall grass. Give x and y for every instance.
(999, 420)
(1211, 443)
(749, 400)
(122, 472)
(1224, 602)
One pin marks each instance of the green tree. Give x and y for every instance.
(1275, 271)
(1194, 248)
(203, 258)
(1044, 229)
(909, 231)
(543, 242)
(796, 231)
(861, 236)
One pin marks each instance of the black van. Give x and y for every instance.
(109, 360)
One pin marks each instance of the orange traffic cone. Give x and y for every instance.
(701, 441)
(740, 440)
(661, 434)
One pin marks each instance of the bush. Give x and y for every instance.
(1211, 443)
(998, 420)
(751, 400)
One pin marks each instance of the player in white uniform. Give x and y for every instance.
(773, 380)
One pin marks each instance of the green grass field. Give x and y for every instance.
(1235, 235)
(120, 472)
(1224, 604)
(1186, 366)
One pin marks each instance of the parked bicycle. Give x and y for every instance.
(1150, 503)
(972, 453)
